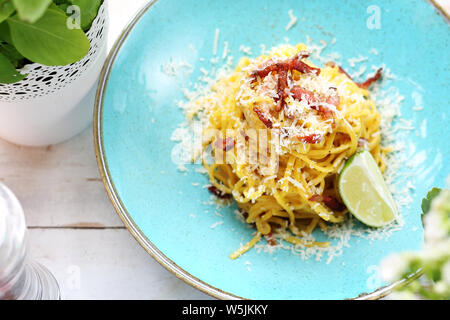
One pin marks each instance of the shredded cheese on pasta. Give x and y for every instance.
(281, 167)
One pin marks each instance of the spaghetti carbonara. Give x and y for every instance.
(278, 131)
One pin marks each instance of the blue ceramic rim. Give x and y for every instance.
(124, 215)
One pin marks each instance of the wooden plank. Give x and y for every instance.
(58, 185)
(105, 264)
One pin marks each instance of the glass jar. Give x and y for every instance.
(20, 277)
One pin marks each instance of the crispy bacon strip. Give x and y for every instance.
(366, 84)
(333, 204)
(314, 101)
(341, 70)
(282, 85)
(225, 144)
(291, 63)
(330, 202)
(325, 112)
(300, 94)
(262, 116)
(334, 99)
(218, 193)
(270, 239)
(312, 138)
(301, 55)
(300, 66)
(315, 198)
(266, 68)
(282, 68)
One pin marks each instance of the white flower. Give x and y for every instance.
(402, 295)
(441, 287)
(433, 227)
(446, 273)
(393, 267)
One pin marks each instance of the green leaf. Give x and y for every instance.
(31, 10)
(8, 74)
(5, 35)
(88, 11)
(6, 9)
(49, 41)
(426, 202)
(11, 53)
(58, 2)
(64, 6)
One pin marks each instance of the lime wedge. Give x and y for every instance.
(364, 191)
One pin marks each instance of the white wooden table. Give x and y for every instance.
(73, 227)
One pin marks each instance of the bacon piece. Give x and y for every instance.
(300, 66)
(312, 138)
(314, 101)
(301, 55)
(270, 239)
(366, 84)
(334, 98)
(282, 68)
(341, 70)
(225, 144)
(262, 116)
(288, 64)
(282, 85)
(266, 68)
(325, 112)
(218, 193)
(330, 202)
(296, 63)
(315, 198)
(300, 94)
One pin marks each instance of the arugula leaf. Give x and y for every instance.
(31, 10)
(6, 9)
(48, 41)
(426, 202)
(8, 74)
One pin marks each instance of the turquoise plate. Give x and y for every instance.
(173, 219)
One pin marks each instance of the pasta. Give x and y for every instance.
(277, 132)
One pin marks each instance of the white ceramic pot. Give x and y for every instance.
(53, 104)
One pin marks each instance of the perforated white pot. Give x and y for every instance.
(53, 104)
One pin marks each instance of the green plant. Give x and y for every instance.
(434, 258)
(42, 31)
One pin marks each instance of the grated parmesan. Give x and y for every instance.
(393, 129)
(293, 20)
(216, 41)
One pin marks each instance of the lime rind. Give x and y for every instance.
(365, 192)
